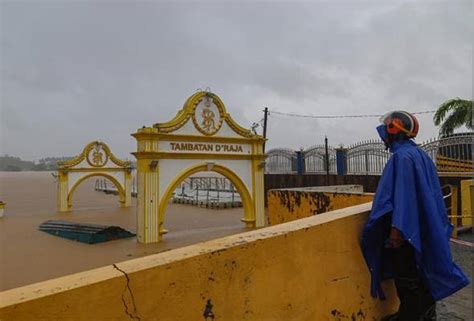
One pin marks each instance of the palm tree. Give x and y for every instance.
(461, 114)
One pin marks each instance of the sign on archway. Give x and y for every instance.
(96, 159)
(201, 137)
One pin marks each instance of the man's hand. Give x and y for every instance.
(396, 240)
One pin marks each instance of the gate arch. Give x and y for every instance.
(96, 159)
(120, 189)
(201, 137)
(220, 169)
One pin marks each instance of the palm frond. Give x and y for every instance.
(469, 120)
(443, 109)
(461, 115)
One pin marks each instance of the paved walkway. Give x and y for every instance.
(458, 307)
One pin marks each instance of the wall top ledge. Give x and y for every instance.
(69, 282)
(330, 189)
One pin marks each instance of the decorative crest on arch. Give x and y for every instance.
(97, 154)
(207, 112)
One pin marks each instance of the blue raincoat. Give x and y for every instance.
(409, 198)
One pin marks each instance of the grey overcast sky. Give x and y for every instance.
(76, 71)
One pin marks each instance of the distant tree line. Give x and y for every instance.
(16, 164)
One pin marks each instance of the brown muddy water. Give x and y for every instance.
(28, 255)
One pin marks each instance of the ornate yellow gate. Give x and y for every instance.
(96, 159)
(201, 137)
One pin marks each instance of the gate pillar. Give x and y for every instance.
(63, 190)
(128, 188)
(149, 229)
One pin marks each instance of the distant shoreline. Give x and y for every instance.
(28, 170)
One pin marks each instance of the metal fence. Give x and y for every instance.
(450, 154)
(281, 160)
(315, 159)
(222, 184)
(368, 158)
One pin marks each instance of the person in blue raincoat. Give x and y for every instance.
(407, 235)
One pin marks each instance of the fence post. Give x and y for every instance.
(326, 159)
(341, 161)
(300, 162)
(366, 154)
(454, 209)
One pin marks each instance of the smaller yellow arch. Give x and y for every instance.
(120, 189)
(247, 202)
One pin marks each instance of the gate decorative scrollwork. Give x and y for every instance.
(452, 153)
(280, 160)
(367, 158)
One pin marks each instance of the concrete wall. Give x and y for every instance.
(369, 182)
(467, 201)
(285, 205)
(309, 269)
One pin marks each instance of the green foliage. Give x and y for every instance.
(453, 114)
(12, 168)
(49, 163)
(16, 164)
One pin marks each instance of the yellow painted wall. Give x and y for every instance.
(467, 201)
(285, 205)
(309, 269)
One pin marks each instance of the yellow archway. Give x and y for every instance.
(249, 214)
(121, 191)
(96, 159)
(201, 137)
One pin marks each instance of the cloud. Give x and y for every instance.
(72, 72)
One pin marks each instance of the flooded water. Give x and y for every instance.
(28, 255)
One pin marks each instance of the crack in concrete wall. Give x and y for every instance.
(134, 314)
